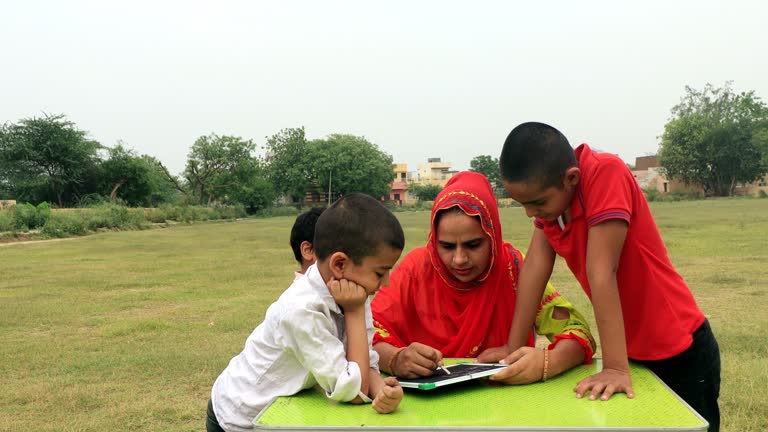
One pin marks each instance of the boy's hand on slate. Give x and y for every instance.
(607, 382)
(347, 294)
(389, 396)
(526, 365)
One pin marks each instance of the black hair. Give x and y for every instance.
(304, 230)
(455, 209)
(536, 153)
(358, 225)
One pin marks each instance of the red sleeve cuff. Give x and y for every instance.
(583, 342)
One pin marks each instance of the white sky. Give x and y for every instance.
(419, 78)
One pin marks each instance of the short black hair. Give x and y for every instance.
(358, 225)
(536, 153)
(304, 230)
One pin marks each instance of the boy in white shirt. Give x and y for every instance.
(320, 329)
(302, 236)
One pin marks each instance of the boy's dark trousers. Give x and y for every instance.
(211, 424)
(694, 374)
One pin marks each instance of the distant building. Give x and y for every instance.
(435, 172)
(648, 174)
(399, 189)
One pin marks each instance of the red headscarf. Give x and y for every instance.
(425, 303)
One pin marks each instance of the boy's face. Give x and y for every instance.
(373, 271)
(545, 203)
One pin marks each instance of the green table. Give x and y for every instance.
(482, 406)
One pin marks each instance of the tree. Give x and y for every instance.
(286, 154)
(713, 139)
(46, 159)
(163, 186)
(489, 167)
(426, 192)
(212, 164)
(127, 173)
(250, 187)
(348, 163)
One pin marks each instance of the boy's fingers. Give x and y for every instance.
(391, 381)
(597, 389)
(630, 393)
(608, 392)
(582, 387)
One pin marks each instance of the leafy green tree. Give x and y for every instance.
(286, 162)
(348, 164)
(213, 164)
(250, 187)
(713, 139)
(489, 167)
(426, 192)
(46, 159)
(163, 188)
(127, 173)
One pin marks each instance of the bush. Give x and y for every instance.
(6, 221)
(28, 217)
(190, 214)
(64, 225)
(652, 195)
(278, 211)
(113, 216)
(761, 194)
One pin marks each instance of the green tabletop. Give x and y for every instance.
(482, 406)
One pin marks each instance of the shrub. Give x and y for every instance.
(278, 211)
(6, 221)
(652, 195)
(28, 217)
(113, 216)
(761, 194)
(64, 225)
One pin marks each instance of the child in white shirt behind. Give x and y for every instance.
(319, 331)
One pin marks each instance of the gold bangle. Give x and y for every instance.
(392, 361)
(546, 363)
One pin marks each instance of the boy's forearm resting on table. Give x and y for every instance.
(357, 346)
(537, 268)
(610, 325)
(604, 247)
(376, 382)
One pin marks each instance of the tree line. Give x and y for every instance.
(49, 159)
(715, 139)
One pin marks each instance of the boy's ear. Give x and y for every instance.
(572, 176)
(307, 251)
(338, 262)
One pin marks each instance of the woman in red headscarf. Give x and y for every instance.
(455, 297)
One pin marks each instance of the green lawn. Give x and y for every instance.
(128, 330)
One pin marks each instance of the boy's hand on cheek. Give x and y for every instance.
(347, 294)
(389, 396)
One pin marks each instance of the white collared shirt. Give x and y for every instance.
(302, 342)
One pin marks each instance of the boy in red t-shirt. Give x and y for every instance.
(590, 210)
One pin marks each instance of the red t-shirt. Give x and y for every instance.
(660, 313)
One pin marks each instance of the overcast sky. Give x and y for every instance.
(418, 78)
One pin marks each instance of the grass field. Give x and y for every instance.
(128, 330)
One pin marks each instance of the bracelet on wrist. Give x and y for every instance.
(546, 364)
(393, 361)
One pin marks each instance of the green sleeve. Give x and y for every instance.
(575, 327)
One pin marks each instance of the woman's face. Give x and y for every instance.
(462, 245)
